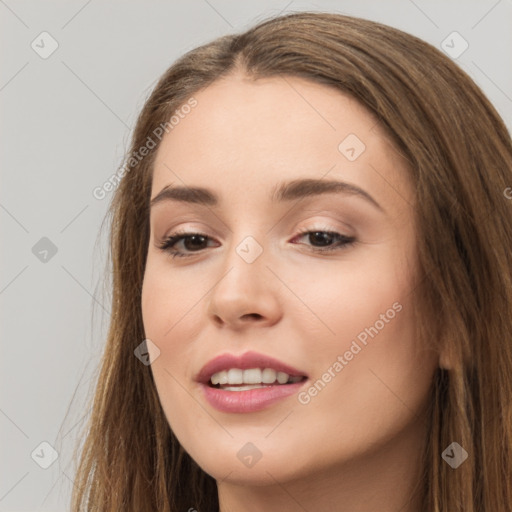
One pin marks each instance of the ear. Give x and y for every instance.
(445, 359)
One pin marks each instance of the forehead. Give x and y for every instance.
(247, 135)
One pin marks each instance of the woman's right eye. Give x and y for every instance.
(169, 243)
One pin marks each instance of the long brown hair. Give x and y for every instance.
(460, 156)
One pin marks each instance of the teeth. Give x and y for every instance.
(251, 376)
(268, 376)
(235, 376)
(282, 377)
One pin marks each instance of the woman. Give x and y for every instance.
(312, 294)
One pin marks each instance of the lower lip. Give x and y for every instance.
(250, 400)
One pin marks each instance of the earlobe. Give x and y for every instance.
(445, 362)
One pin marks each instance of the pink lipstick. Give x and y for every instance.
(248, 383)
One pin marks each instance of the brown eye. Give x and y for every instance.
(325, 238)
(193, 242)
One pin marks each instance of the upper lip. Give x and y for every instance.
(244, 362)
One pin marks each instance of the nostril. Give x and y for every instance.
(252, 315)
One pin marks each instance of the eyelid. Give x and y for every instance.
(312, 225)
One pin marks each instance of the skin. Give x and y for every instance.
(356, 445)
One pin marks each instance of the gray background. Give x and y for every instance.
(66, 123)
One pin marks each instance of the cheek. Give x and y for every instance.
(374, 369)
(370, 392)
(164, 312)
(366, 354)
(172, 318)
(168, 300)
(340, 301)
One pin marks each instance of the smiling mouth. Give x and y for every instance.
(236, 379)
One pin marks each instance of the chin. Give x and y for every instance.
(245, 464)
(260, 475)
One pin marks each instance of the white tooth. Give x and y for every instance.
(235, 376)
(268, 376)
(252, 376)
(282, 377)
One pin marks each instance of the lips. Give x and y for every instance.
(248, 399)
(243, 362)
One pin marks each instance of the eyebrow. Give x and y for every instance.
(296, 189)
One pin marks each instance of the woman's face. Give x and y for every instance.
(253, 280)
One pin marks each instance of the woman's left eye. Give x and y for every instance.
(325, 236)
(194, 242)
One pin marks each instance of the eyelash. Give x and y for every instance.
(168, 244)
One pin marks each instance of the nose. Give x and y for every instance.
(246, 294)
